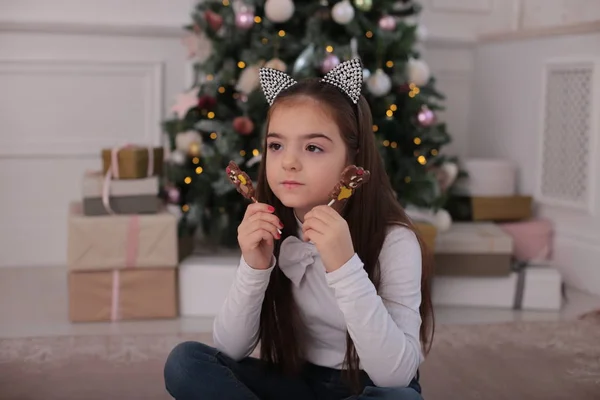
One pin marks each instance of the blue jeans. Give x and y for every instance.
(196, 371)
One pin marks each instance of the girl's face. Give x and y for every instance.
(305, 154)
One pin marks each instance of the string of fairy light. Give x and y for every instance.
(414, 91)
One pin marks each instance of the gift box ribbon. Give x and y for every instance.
(131, 253)
(113, 171)
(116, 285)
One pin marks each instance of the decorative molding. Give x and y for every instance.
(588, 204)
(463, 6)
(151, 71)
(73, 28)
(582, 28)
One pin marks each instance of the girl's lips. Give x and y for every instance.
(291, 184)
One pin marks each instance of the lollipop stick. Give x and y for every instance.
(331, 202)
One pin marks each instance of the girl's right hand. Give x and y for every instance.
(257, 234)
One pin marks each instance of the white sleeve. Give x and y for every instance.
(235, 329)
(385, 326)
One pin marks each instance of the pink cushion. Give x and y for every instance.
(533, 239)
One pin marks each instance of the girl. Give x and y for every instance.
(339, 302)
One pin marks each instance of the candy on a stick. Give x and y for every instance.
(242, 182)
(352, 178)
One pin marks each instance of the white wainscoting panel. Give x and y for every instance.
(452, 67)
(553, 13)
(84, 104)
(465, 20)
(170, 13)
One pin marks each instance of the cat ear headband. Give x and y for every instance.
(347, 76)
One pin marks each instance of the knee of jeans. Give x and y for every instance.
(391, 393)
(408, 394)
(184, 360)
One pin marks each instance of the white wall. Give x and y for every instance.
(507, 122)
(79, 76)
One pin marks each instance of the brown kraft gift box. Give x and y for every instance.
(428, 233)
(473, 249)
(508, 208)
(473, 264)
(121, 241)
(123, 294)
(480, 208)
(133, 161)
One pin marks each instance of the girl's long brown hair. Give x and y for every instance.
(369, 213)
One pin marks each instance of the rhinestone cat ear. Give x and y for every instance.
(273, 81)
(347, 76)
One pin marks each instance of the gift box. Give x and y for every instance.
(205, 281)
(533, 239)
(510, 208)
(428, 233)
(473, 249)
(133, 162)
(488, 178)
(121, 241)
(532, 288)
(122, 294)
(103, 196)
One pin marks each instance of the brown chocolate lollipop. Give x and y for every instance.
(352, 178)
(242, 182)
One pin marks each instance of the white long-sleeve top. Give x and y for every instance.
(384, 325)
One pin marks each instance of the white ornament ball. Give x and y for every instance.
(279, 11)
(342, 12)
(249, 80)
(277, 64)
(177, 157)
(379, 84)
(366, 74)
(451, 171)
(418, 72)
(443, 220)
(184, 140)
(421, 33)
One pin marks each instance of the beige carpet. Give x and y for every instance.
(529, 360)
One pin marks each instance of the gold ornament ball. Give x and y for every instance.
(364, 5)
(277, 64)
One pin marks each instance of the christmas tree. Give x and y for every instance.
(221, 117)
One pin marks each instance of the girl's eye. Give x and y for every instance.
(274, 146)
(313, 149)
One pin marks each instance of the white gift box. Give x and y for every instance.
(533, 288)
(488, 177)
(204, 282)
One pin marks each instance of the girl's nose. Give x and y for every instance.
(291, 162)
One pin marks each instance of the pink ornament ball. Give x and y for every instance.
(330, 62)
(244, 20)
(387, 23)
(174, 195)
(426, 117)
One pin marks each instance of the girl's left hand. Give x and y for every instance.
(326, 228)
